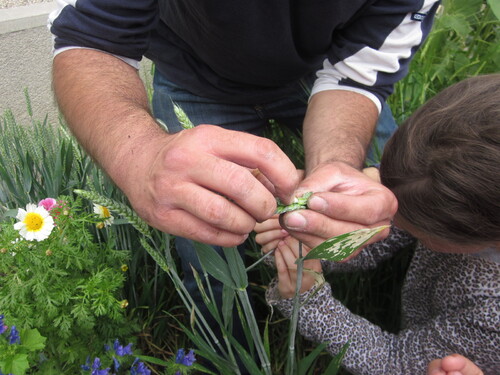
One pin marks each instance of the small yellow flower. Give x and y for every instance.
(104, 213)
(124, 304)
(35, 223)
(48, 252)
(124, 268)
(100, 225)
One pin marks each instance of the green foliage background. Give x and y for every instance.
(69, 287)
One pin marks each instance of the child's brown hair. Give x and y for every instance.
(443, 163)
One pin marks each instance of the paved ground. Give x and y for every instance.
(19, 3)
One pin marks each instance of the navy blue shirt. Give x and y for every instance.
(242, 51)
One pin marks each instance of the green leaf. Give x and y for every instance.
(27, 177)
(202, 369)
(11, 213)
(205, 350)
(340, 247)
(228, 297)
(237, 267)
(334, 365)
(457, 23)
(495, 7)
(209, 303)
(306, 362)
(246, 358)
(267, 344)
(156, 361)
(214, 264)
(17, 364)
(32, 340)
(200, 286)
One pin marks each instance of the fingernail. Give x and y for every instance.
(317, 204)
(295, 221)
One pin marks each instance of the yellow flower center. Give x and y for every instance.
(33, 221)
(105, 212)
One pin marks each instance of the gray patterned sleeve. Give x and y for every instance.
(373, 351)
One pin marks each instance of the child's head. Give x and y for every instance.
(443, 164)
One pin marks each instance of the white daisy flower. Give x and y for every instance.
(35, 223)
(104, 213)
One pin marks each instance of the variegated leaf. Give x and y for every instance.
(340, 247)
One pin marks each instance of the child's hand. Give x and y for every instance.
(454, 364)
(269, 234)
(285, 257)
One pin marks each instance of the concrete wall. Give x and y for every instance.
(25, 61)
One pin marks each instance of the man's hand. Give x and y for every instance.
(199, 183)
(344, 200)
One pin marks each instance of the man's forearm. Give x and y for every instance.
(338, 127)
(105, 105)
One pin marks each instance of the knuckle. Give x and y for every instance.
(216, 210)
(266, 148)
(375, 214)
(241, 181)
(176, 156)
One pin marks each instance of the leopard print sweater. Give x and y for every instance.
(450, 303)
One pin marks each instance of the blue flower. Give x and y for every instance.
(141, 368)
(3, 326)
(14, 337)
(189, 358)
(185, 359)
(180, 355)
(120, 350)
(86, 366)
(117, 364)
(96, 370)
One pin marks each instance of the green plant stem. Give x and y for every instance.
(168, 266)
(260, 260)
(221, 324)
(254, 329)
